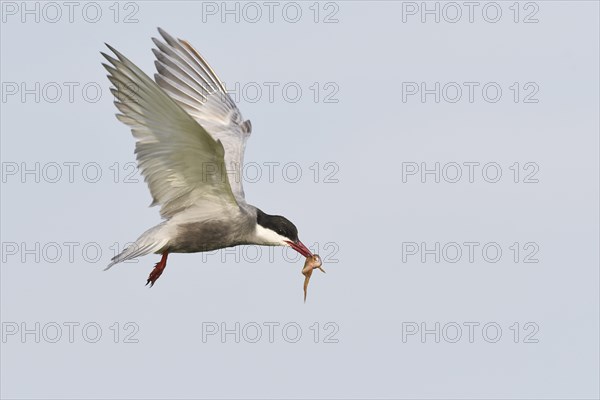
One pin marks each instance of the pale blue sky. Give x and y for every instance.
(362, 218)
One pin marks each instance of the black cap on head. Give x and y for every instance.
(278, 224)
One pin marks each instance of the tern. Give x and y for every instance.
(190, 142)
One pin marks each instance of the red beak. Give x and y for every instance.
(300, 248)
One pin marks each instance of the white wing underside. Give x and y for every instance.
(188, 79)
(191, 157)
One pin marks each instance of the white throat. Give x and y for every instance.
(268, 237)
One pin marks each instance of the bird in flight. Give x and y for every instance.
(190, 141)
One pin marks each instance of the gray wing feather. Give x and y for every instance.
(182, 164)
(188, 79)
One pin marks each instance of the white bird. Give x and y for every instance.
(190, 141)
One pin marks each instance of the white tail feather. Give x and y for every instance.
(151, 241)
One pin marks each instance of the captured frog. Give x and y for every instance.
(310, 264)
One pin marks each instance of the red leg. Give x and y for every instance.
(158, 269)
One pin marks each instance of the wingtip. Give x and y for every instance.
(162, 32)
(165, 35)
(116, 52)
(107, 67)
(109, 58)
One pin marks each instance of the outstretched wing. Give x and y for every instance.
(188, 79)
(182, 164)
